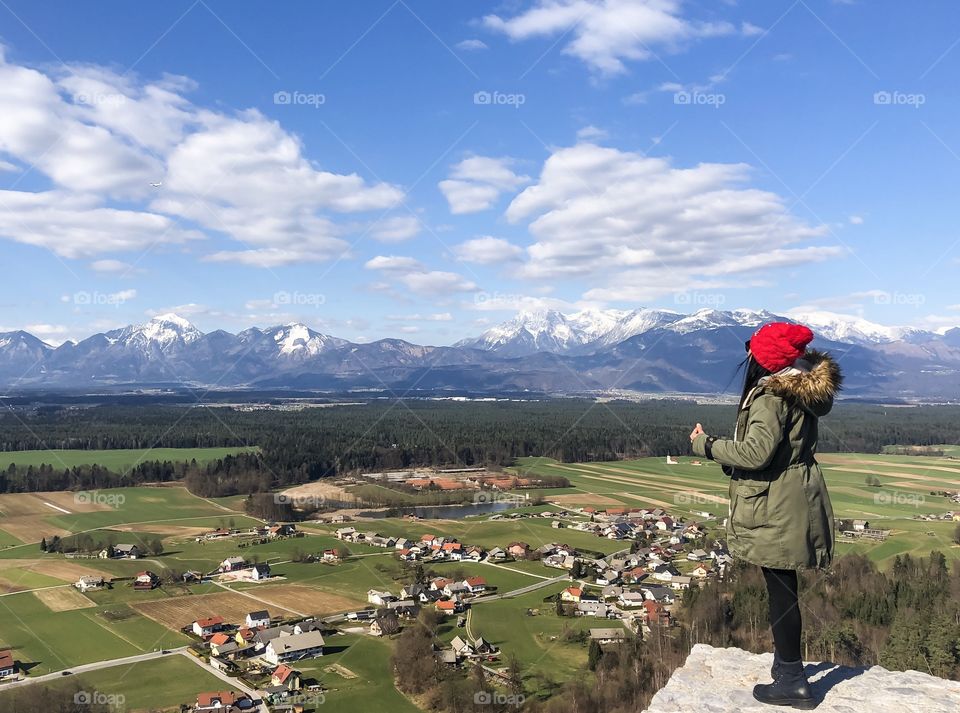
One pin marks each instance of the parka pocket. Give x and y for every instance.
(749, 509)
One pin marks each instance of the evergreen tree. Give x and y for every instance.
(594, 655)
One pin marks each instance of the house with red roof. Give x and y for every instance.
(475, 585)
(285, 676)
(223, 701)
(207, 627)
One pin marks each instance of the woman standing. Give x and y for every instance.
(780, 513)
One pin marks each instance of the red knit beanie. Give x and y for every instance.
(778, 344)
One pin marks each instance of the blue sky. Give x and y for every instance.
(424, 169)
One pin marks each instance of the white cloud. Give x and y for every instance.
(187, 311)
(647, 228)
(606, 32)
(76, 225)
(396, 229)
(477, 182)
(100, 137)
(487, 251)
(112, 267)
(406, 272)
(394, 263)
(123, 295)
(435, 317)
(592, 133)
(471, 45)
(856, 220)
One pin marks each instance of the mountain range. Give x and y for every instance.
(586, 352)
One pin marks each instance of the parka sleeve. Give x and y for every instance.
(764, 432)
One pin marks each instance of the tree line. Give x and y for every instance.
(302, 446)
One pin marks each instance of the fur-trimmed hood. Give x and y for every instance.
(813, 381)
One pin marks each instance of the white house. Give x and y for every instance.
(257, 619)
(380, 598)
(232, 564)
(294, 648)
(88, 582)
(206, 627)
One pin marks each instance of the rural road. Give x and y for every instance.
(86, 668)
(511, 569)
(38, 589)
(234, 683)
(522, 590)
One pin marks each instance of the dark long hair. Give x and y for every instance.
(752, 373)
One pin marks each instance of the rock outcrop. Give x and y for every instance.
(721, 681)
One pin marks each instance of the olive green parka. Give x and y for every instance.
(780, 512)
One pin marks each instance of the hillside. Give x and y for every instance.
(721, 681)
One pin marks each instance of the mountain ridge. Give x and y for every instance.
(587, 352)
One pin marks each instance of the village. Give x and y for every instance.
(636, 587)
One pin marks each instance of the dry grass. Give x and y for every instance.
(585, 498)
(306, 599)
(177, 612)
(23, 515)
(65, 570)
(63, 599)
(165, 530)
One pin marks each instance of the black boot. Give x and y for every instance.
(777, 661)
(790, 688)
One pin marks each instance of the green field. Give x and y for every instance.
(537, 641)
(118, 460)
(372, 690)
(56, 640)
(904, 493)
(151, 685)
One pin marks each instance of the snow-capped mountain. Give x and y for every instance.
(643, 350)
(22, 353)
(589, 330)
(856, 330)
(164, 332)
(540, 331)
(636, 322)
(291, 341)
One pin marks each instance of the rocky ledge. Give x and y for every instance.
(721, 681)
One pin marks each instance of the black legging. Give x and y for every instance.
(782, 588)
